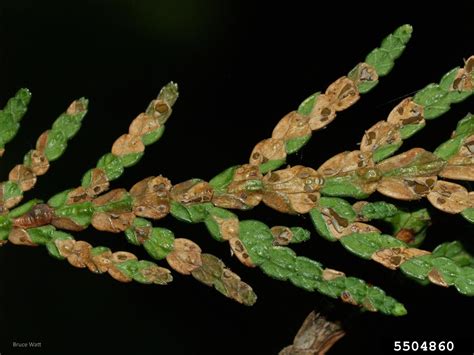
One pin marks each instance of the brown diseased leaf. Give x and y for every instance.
(461, 165)
(127, 144)
(392, 258)
(364, 73)
(228, 227)
(293, 125)
(143, 124)
(405, 113)
(427, 163)
(339, 227)
(380, 134)
(292, 190)
(101, 262)
(10, 202)
(99, 182)
(406, 189)
(450, 197)
(282, 235)
(151, 197)
(185, 257)
(23, 176)
(67, 224)
(435, 277)
(192, 191)
(113, 222)
(64, 246)
(120, 257)
(322, 113)
(42, 142)
(241, 252)
(463, 80)
(39, 162)
(19, 236)
(76, 107)
(315, 337)
(112, 196)
(238, 196)
(78, 195)
(80, 255)
(344, 93)
(331, 274)
(346, 162)
(40, 215)
(268, 149)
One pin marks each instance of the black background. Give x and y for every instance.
(240, 67)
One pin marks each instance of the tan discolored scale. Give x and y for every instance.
(282, 235)
(450, 197)
(405, 113)
(293, 125)
(151, 197)
(331, 274)
(19, 236)
(39, 215)
(9, 202)
(101, 262)
(78, 195)
(99, 182)
(380, 134)
(238, 196)
(64, 246)
(117, 258)
(192, 191)
(364, 73)
(114, 195)
(268, 149)
(80, 255)
(392, 258)
(23, 176)
(159, 108)
(77, 106)
(437, 278)
(239, 250)
(42, 141)
(323, 112)
(67, 224)
(185, 257)
(406, 189)
(426, 163)
(344, 93)
(143, 124)
(346, 162)
(228, 227)
(339, 227)
(237, 199)
(463, 80)
(113, 222)
(2, 151)
(127, 144)
(39, 163)
(461, 165)
(292, 190)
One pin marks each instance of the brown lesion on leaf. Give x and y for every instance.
(23, 176)
(151, 197)
(392, 258)
(293, 125)
(450, 197)
(76, 107)
(292, 190)
(437, 278)
(185, 257)
(127, 144)
(143, 124)
(381, 134)
(39, 164)
(461, 165)
(463, 80)
(19, 236)
(315, 337)
(228, 227)
(192, 191)
(213, 272)
(331, 274)
(238, 194)
(281, 235)
(268, 149)
(39, 215)
(405, 113)
(240, 251)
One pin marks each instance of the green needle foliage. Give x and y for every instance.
(320, 192)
